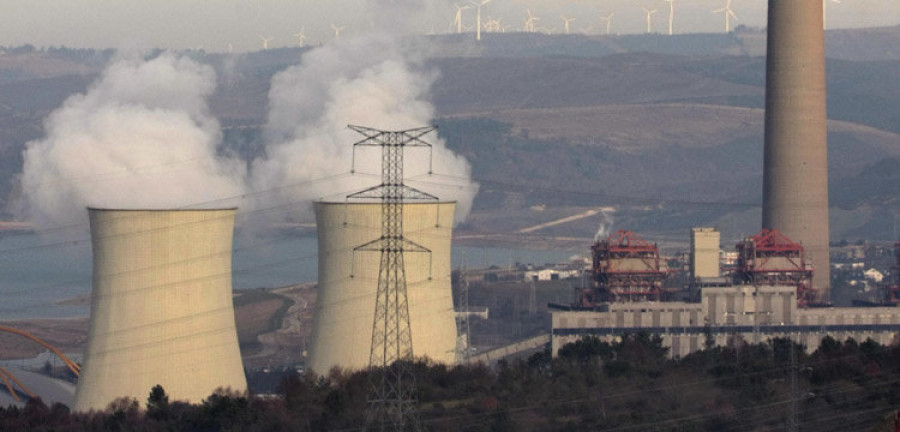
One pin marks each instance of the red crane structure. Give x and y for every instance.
(625, 268)
(771, 258)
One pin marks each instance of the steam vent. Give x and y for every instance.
(795, 175)
(161, 309)
(348, 282)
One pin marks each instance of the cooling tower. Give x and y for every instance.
(161, 308)
(795, 175)
(348, 281)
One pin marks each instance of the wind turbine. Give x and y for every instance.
(457, 20)
(265, 41)
(529, 22)
(478, 17)
(649, 12)
(337, 30)
(825, 12)
(671, 15)
(608, 20)
(300, 36)
(566, 21)
(494, 26)
(728, 15)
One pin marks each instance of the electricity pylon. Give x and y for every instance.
(391, 405)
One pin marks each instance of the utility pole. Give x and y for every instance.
(532, 299)
(391, 405)
(793, 425)
(463, 346)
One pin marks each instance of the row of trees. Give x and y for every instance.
(628, 385)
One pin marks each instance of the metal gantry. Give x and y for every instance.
(391, 404)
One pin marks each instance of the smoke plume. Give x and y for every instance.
(140, 137)
(371, 82)
(605, 227)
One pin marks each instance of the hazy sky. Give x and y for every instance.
(214, 24)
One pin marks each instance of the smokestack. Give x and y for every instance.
(795, 176)
(161, 308)
(348, 281)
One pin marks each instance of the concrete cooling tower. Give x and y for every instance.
(161, 308)
(345, 306)
(795, 175)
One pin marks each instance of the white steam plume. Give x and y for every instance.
(369, 82)
(605, 227)
(140, 137)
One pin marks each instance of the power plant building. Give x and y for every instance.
(161, 308)
(348, 282)
(780, 285)
(763, 297)
(750, 313)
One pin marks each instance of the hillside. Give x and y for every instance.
(669, 129)
(663, 167)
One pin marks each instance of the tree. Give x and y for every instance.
(158, 403)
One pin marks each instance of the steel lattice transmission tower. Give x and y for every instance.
(391, 404)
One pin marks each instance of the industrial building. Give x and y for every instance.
(770, 258)
(348, 282)
(704, 256)
(161, 308)
(767, 295)
(780, 283)
(625, 268)
(751, 313)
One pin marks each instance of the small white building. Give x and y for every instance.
(542, 275)
(550, 274)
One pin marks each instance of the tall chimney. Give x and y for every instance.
(795, 175)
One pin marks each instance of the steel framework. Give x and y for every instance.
(391, 404)
(625, 268)
(771, 258)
